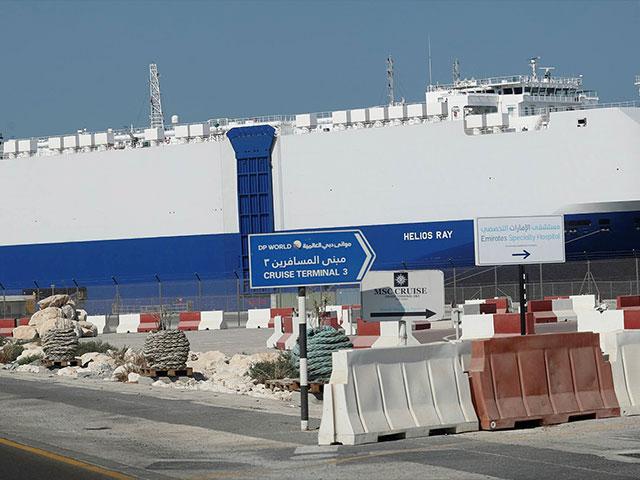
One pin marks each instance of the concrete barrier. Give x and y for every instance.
(393, 393)
(128, 323)
(188, 321)
(259, 318)
(540, 380)
(583, 302)
(383, 334)
(608, 321)
(277, 332)
(6, 327)
(212, 320)
(149, 322)
(542, 311)
(100, 321)
(628, 302)
(562, 308)
(623, 348)
(487, 326)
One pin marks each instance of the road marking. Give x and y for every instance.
(62, 459)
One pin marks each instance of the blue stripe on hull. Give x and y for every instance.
(412, 245)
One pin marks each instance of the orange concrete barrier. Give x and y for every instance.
(149, 322)
(540, 380)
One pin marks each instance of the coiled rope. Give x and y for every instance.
(321, 343)
(166, 349)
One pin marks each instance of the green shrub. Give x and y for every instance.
(10, 352)
(281, 367)
(2, 340)
(93, 346)
(29, 359)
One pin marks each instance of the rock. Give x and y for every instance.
(207, 362)
(96, 361)
(68, 372)
(30, 345)
(49, 324)
(69, 312)
(119, 371)
(81, 315)
(54, 301)
(133, 377)
(45, 314)
(145, 380)
(87, 329)
(71, 302)
(25, 332)
(159, 383)
(84, 372)
(31, 353)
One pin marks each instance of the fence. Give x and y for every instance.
(604, 278)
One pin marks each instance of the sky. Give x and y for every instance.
(68, 65)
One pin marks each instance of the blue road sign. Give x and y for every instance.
(300, 259)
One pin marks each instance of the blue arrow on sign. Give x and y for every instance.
(299, 259)
(524, 254)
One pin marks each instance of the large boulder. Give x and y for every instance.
(46, 313)
(86, 329)
(95, 360)
(25, 332)
(34, 352)
(81, 315)
(54, 301)
(51, 323)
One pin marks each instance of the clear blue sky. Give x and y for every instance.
(69, 65)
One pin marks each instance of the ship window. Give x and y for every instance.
(517, 90)
(527, 89)
(508, 91)
(582, 122)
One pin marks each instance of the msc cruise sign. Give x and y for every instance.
(332, 257)
(519, 240)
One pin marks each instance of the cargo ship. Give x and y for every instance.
(180, 199)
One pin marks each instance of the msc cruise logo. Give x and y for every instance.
(401, 279)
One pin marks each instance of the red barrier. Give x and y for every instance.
(556, 297)
(6, 327)
(287, 331)
(540, 380)
(624, 302)
(509, 323)
(189, 321)
(501, 303)
(631, 319)
(282, 312)
(542, 311)
(488, 308)
(149, 322)
(23, 321)
(368, 333)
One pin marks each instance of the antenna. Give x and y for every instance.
(390, 88)
(156, 118)
(533, 63)
(456, 71)
(547, 72)
(429, 45)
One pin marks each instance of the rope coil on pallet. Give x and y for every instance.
(166, 349)
(321, 343)
(60, 344)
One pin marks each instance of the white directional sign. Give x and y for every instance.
(402, 295)
(519, 240)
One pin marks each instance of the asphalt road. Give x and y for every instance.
(141, 433)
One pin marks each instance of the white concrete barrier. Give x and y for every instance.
(623, 348)
(277, 332)
(213, 320)
(583, 302)
(100, 321)
(396, 393)
(293, 338)
(600, 322)
(563, 309)
(476, 326)
(259, 318)
(128, 323)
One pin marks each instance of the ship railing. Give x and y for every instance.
(544, 110)
(511, 79)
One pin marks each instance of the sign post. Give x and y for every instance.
(519, 241)
(301, 259)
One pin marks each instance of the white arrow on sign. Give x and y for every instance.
(370, 256)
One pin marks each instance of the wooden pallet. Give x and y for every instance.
(60, 363)
(293, 385)
(171, 372)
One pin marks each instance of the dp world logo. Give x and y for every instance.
(400, 279)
